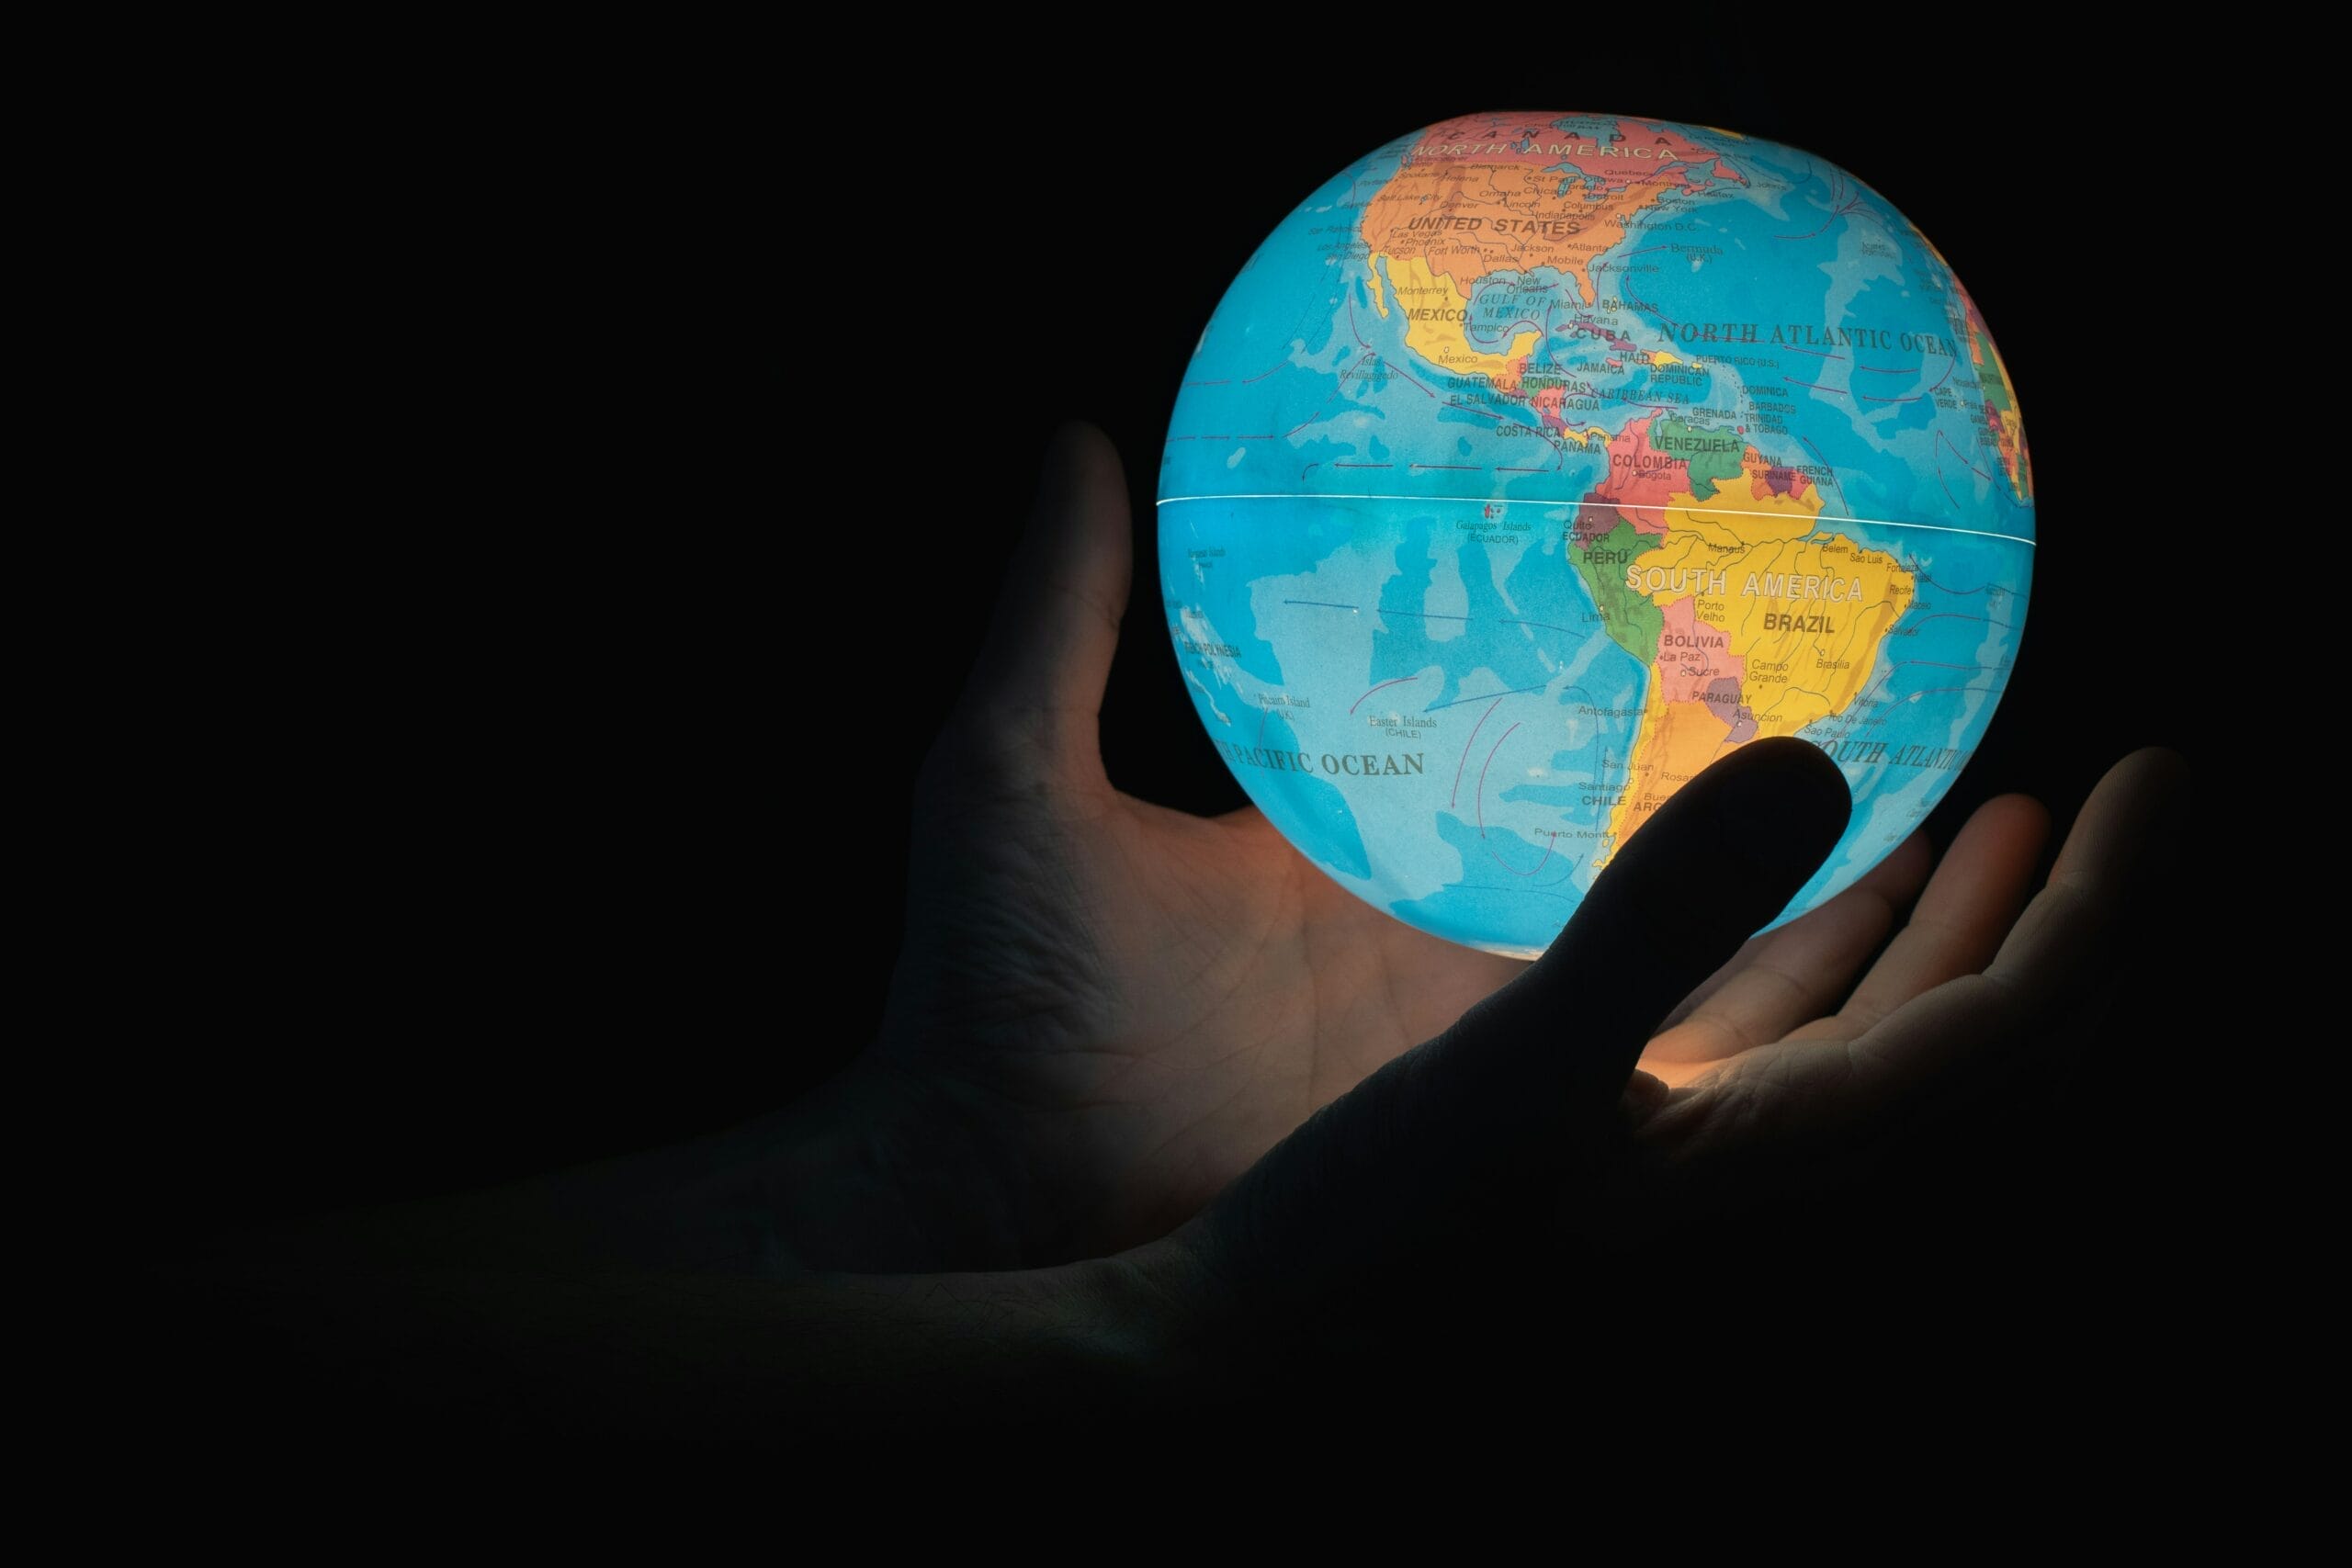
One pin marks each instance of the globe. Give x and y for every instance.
(1536, 461)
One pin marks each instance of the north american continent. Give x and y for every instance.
(1481, 196)
(1765, 625)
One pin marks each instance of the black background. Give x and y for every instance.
(660, 451)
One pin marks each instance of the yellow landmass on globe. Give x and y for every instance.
(1782, 627)
(1436, 318)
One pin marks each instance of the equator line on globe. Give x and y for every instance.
(1536, 461)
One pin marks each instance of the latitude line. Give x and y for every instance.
(1610, 505)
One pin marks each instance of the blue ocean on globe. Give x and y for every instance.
(1536, 461)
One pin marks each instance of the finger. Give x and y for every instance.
(1037, 682)
(1712, 866)
(2119, 827)
(1959, 921)
(1799, 1102)
(1463, 1127)
(1896, 881)
(1796, 974)
(2051, 950)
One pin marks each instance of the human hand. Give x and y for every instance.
(1526, 1131)
(1105, 1010)
(1455, 1193)
(1522, 1124)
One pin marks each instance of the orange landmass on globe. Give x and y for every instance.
(1488, 194)
(1637, 147)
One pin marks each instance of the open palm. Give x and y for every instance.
(1118, 1006)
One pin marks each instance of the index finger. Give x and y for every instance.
(1716, 863)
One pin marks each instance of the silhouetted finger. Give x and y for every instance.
(1037, 682)
(1958, 924)
(1470, 1127)
(1719, 860)
(1792, 976)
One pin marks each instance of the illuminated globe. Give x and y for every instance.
(1537, 461)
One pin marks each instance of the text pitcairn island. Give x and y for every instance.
(1536, 461)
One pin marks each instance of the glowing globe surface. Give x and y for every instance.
(1537, 461)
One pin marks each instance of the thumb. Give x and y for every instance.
(1475, 1127)
(1036, 687)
